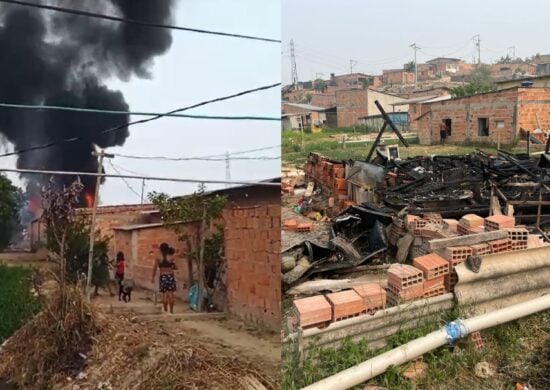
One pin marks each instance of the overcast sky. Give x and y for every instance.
(377, 34)
(200, 67)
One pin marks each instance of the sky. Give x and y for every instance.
(201, 67)
(377, 34)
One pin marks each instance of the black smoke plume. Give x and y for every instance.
(52, 58)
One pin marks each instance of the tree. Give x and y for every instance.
(10, 204)
(505, 60)
(206, 248)
(320, 85)
(68, 236)
(409, 66)
(305, 98)
(480, 82)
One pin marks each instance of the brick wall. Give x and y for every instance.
(324, 100)
(110, 217)
(533, 103)
(140, 247)
(351, 105)
(252, 250)
(498, 107)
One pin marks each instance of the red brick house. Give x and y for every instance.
(487, 117)
(252, 241)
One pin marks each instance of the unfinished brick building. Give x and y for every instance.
(488, 117)
(252, 241)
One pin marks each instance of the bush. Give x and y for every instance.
(78, 239)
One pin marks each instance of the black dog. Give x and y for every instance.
(126, 291)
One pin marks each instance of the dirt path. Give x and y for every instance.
(212, 330)
(226, 337)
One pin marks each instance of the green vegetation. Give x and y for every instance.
(520, 352)
(319, 85)
(17, 304)
(296, 146)
(409, 66)
(480, 82)
(10, 200)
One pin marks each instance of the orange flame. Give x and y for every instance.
(89, 200)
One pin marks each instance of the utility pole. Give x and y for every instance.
(351, 64)
(101, 154)
(142, 190)
(227, 169)
(512, 49)
(477, 43)
(415, 48)
(293, 68)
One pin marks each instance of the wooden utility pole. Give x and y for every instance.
(101, 154)
(202, 286)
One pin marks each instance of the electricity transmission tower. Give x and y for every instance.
(477, 43)
(293, 65)
(415, 48)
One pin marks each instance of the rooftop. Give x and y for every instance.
(307, 107)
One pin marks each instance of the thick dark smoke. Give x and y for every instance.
(60, 59)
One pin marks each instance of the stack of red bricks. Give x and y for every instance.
(454, 255)
(320, 310)
(470, 224)
(405, 283)
(434, 269)
(330, 176)
(424, 229)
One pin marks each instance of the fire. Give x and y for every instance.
(89, 200)
(33, 205)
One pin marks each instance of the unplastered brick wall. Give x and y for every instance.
(506, 112)
(534, 103)
(252, 250)
(351, 105)
(500, 109)
(141, 250)
(110, 217)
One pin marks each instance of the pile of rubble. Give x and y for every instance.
(436, 247)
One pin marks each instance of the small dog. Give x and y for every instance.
(127, 286)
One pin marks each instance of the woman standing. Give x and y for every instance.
(120, 268)
(167, 280)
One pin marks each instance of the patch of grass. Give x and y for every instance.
(519, 350)
(17, 304)
(296, 147)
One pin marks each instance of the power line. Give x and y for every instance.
(194, 158)
(152, 178)
(219, 157)
(115, 112)
(123, 179)
(116, 128)
(133, 21)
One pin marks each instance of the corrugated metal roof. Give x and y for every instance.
(308, 107)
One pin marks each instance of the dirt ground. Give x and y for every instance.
(212, 330)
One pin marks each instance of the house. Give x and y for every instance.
(351, 105)
(542, 81)
(444, 65)
(107, 219)
(252, 244)
(296, 116)
(492, 117)
(512, 70)
(397, 76)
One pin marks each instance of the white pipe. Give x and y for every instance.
(457, 329)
